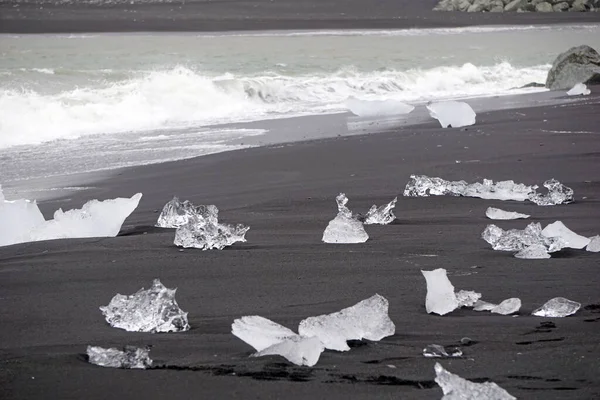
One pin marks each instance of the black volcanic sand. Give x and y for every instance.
(52, 16)
(50, 291)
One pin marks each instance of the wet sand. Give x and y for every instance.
(50, 291)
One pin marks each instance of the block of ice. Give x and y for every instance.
(130, 357)
(344, 228)
(508, 306)
(557, 194)
(299, 350)
(517, 240)
(437, 351)
(454, 114)
(381, 215)
(594, 245)
(579, 89)
(440, 298)
(557, 307)
(152, 310)
(377, 108)
(496, 213)
(367, 319)
(17, 219)
(534, 252)
(457, 388)
(570, 239)
(467, 298)
(176, 213)
(481, 305)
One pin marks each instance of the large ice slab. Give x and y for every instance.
(454, 114)
(457, 388)
(21, 220)
(177, 213)
(594, 245)
(344, 228)
(579, 89)
(381, 215)
(517, 239)
(441, 298)
(498, 214)
(570, 239)
(130, 357)
(557, 307)
(377, 108)
(367, 319)
(151, 310)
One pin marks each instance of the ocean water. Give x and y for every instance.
(75, 103)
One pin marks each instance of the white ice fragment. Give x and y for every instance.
(131, 357)
(534, 252)
(367, 319)
(382, 215)
(508, 306)
(557, 194)
(377, 108)
(437, 351)
(467, 298)
(570, 238)
(579, 89)
(17, 219)
(457, 388)
(152, 310)
(176, 213)
(557, 307)
(454, 114)
(481, 305)
(496, 213)
(344, 228)
(594, 245)
(440, 298)
(517, 240)
(299, 350)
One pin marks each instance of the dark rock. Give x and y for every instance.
(577, 65)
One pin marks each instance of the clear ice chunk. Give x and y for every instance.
(17, 219)
(130, 357)
(534, 252)
(454, 114)
(570, 239)
(594, 245)
(344, 228)
(496, 213)
(298, 350)
(481, 305)
(457, 388)
(557, 194)
(377, 108)
(517, 240)
(381, 215)
(367, 319)
(437, 351)
(176, 213)
(557, 307)
(508, 306)
(467, 298)
(152, 310)
(579, 89)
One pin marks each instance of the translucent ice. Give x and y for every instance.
(467, 298)
(481, 305)
(508, 306)
(344, 228)
(457, 388)
(441, 298)
(176, 213)
(377, 108)
(437, 351)
(517, 240)
(594, 245)
(454, 114)
(17, 219)
(557, 194)
(382, 215)
(367, 319)
(534, 252)
(298, 350)
(151, 310)
(569, 238)
(557, 307)
(496, 213)
(131, 357)
(579, 89)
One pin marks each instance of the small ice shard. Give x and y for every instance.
(367, 319)
(131, 357)
(579, 89)
(382, 215)
(344, 228)
(570, 238)
(152, 310)
(176, 213)
(533, 252)
(496, 213)
(457, 388)
(557, 194)
(377, 108)
(508, 306)
(594, 245)
(481, 305)
(557, 307)
(517, 240)
(467, 298)
(437, 351)
(454, 114)
(299, 350)
(204, 231)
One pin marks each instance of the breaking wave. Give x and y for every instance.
(181, 97)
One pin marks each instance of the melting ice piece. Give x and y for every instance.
(594, 245)
(534, 252)
(570, 238)
(496, 213)
(508, 306)
(17, 219)
(579, 89)
(176, 213)
(457, 388)
(467, 298)
(557, 307)
(557, 194)
(454, 114)
(344, 228)
(152, 310)
(377, 108)
(382, 215)
(131, 357)
(204, 231)
(299, 350)
(367, 319)
(481, 305)
(440, 298)
(437, 351)
(517, 240)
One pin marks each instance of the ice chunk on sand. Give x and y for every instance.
(508, 306)
(17, 219)
(557, 194)
(176, 213)
(481, 305)
(496, 213)
(298, 350)
(594, 245)
(441, 298)
(437, 351)
(457, 388)
(131, 357)
(377, 108)
(570, 238)
(534, 252)
(151, 310)
(344, 228)
(467, 298)
(454, 114)
(367, 319)
(579, 89)
(557, 307)
(204, 231)
(382, 215)
(517, 240)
